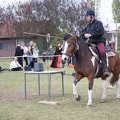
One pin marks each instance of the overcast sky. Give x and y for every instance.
(105, 11)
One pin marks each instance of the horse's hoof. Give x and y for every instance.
(88, 106)
(117, 99)
(103, 100)
(78, 98)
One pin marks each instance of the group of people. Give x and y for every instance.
(24, 53)
(30, 55)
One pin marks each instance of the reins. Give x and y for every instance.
(77, 47)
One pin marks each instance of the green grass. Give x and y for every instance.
(118, 52)
(13, 106)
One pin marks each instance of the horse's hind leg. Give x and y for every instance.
(118, 89)
(104, 91)
(116, 81)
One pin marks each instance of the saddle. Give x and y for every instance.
(95, 53)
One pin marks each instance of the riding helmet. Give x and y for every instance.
(90, 12)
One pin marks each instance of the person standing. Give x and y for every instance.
(19, 52)
(56, 60)
(35, 52)
(44, 56)
(25, 52)
(50, 51)
(30, 51)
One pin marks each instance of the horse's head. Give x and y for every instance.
(69, 47)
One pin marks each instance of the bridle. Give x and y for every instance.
(76, 48)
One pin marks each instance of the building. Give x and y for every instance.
(111, 36)
(8, 40)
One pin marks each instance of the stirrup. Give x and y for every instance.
(106, 73)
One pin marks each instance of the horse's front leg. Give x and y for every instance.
(77, 97)
(77, 79)
(90, 87)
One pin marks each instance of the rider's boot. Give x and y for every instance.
(104, 67)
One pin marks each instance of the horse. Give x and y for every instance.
(88, 65)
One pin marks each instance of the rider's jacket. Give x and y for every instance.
(96, 30)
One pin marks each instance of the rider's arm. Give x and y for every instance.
(82, 35)
(98, 32)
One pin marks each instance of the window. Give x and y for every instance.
(3, 46)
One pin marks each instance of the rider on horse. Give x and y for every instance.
(94, 32)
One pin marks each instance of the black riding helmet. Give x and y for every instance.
(90, 12)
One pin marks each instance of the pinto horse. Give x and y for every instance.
(86, 65)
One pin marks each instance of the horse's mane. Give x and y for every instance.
(68, 35)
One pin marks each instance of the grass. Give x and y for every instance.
(13, 106)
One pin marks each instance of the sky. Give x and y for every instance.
(105, 11)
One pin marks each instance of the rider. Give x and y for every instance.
(94, 32)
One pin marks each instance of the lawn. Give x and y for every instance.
(13, 106)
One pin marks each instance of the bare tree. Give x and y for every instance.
(43, 16)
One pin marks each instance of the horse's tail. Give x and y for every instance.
(112, 80)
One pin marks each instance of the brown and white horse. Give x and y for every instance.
(86, 65)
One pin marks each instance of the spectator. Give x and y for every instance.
(35, 52)
(44, 58)
(50, 50)
(109, 46)
(15, 66)
(19, 52)
(56, 60)
(25, 52)
(30, 51)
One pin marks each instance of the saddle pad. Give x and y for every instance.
(110, 53)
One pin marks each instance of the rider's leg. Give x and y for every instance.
(101, 49)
